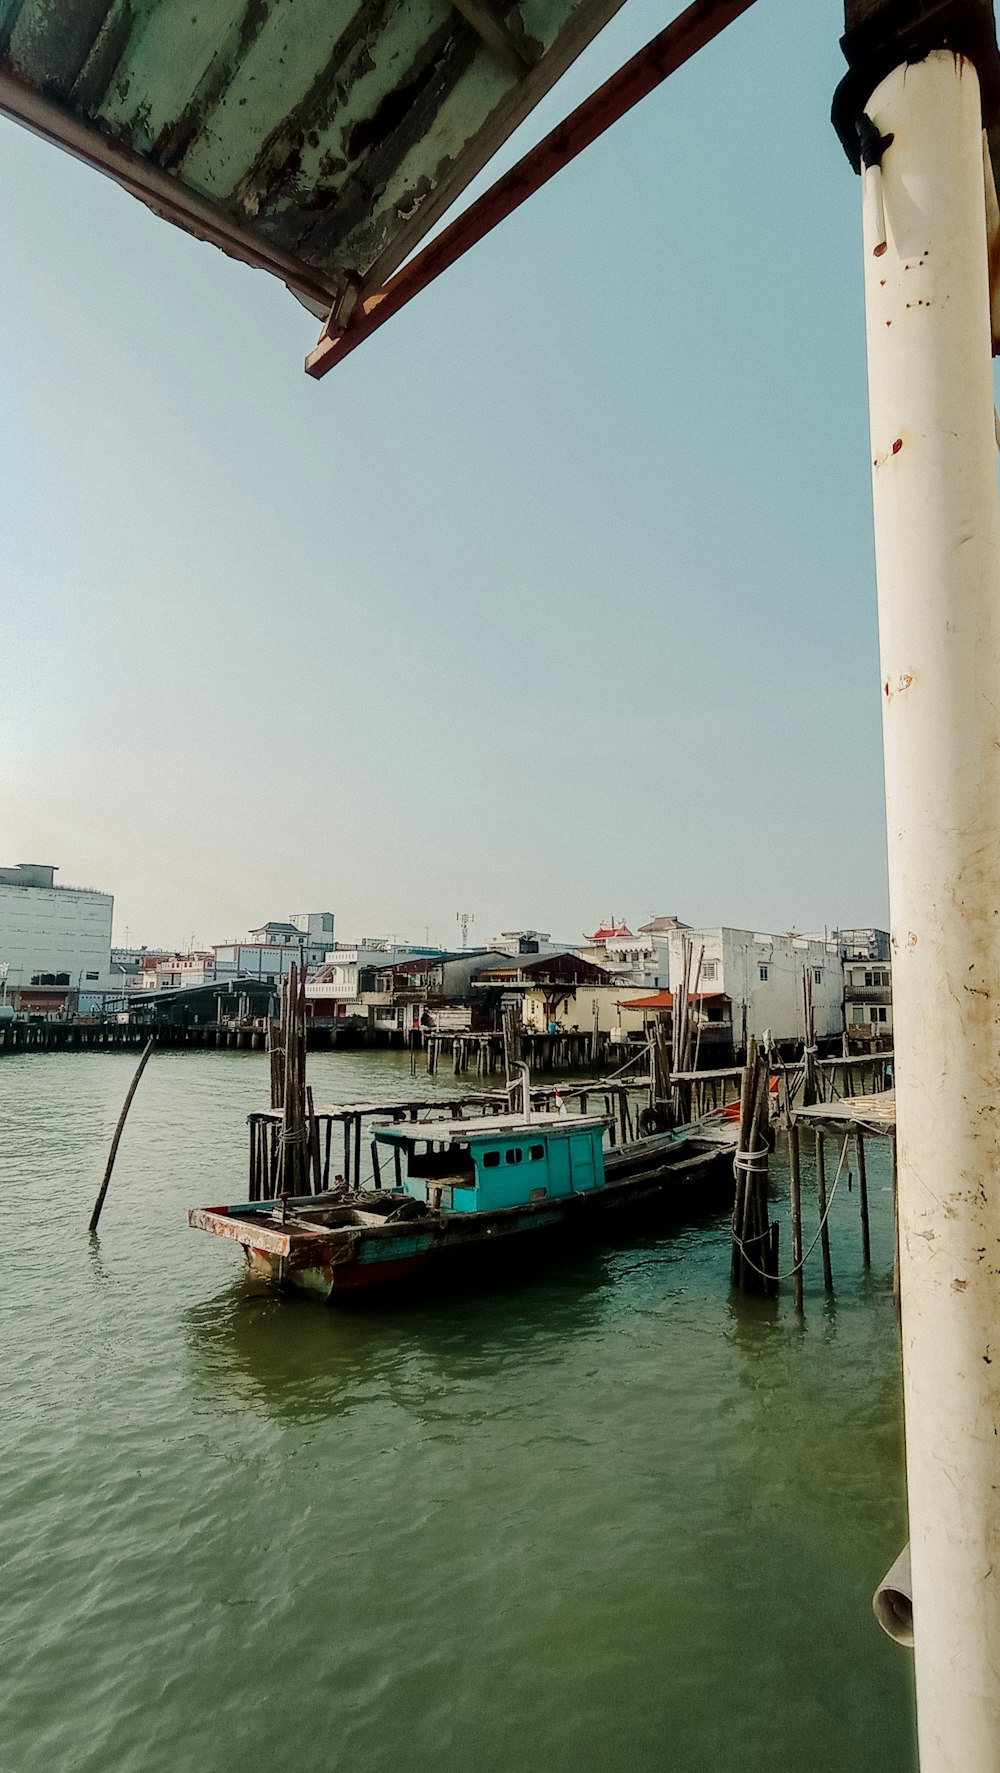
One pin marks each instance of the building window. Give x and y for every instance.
(490, 1160)
(878, 1015)
(817, 975)
(762, 969)
(514, 1156)
(93, 975)
(710, 971)
(536, 1153)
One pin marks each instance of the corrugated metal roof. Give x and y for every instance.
(320, 139)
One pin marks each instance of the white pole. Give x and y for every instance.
(937, 544)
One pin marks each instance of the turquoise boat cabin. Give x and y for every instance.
(458, 1166)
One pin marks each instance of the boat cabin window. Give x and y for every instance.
(428, 1161)
(536, 1153)
(490, 1160)
(515, 1155)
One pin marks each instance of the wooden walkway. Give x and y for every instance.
(860, 1114)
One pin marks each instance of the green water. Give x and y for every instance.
(608, 1518)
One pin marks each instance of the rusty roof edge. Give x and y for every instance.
(161, 192)
(576, 36)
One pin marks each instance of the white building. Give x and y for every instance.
(762, 977)
(638, 960)
(867, 986)
(346, 985)
(274, 948)
(316, 926)
(171, 972)
(52, 934)
(526, 942)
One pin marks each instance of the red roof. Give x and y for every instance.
(661, 1000)
(608, 931)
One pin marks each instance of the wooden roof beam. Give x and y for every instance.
(512, 49)
(360, 313)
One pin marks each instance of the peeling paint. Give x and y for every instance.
(330, 131)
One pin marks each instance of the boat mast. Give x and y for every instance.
(911, 109)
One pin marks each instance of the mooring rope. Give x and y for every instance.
(800, 1264)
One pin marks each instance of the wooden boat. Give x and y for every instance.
(467, 1190)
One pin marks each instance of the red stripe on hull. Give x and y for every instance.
(351, 1277)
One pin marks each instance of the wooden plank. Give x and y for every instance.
(240, 1231)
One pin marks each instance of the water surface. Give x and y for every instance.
(608, 1517)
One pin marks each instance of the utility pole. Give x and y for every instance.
(924, 78)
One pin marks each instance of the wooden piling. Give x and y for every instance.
(795, 1205)
(113, 1153)
(866, 1242)
(751, 1267)
(824, 1237)
(315, 1162)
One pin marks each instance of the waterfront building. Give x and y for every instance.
(761, 977)
(272, 949)
(867, 986)
(561, 993)
(53, 939)
(426, 991)
(348, 982)
(176, 972)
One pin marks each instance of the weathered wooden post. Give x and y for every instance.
(824, 1210)
(866, 1240)
(795, 1207)
(113, 1153)
(911, 110)
(751, 1266)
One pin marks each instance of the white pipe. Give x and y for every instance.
(892, 1602)
(525, 1071)
(937, 544)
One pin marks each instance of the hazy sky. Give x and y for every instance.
(555, 600)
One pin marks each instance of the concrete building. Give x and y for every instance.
(525, 942)
(273, 948)
(52, 937)
(316, 926)
(867, 986)
(561, 993)
(348, 982)
(418, 990)
(176, 972)
(761, 975)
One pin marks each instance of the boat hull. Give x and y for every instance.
(341, 1262)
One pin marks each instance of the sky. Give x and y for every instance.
(554, 601)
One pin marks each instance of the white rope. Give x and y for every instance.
(755, 1161)
(792, 1272)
